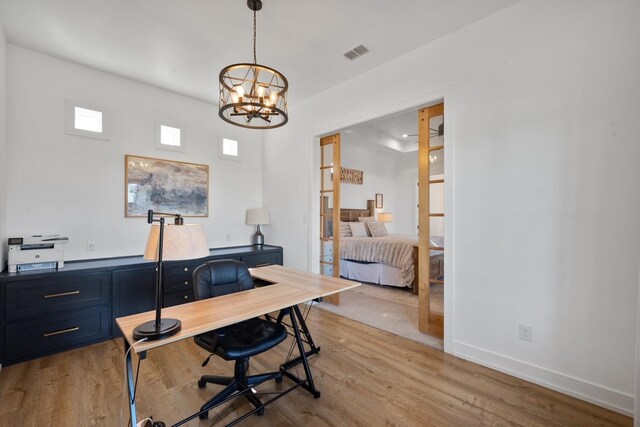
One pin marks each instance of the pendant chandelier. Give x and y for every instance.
(252, 95)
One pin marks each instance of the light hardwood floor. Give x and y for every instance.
(367, 378)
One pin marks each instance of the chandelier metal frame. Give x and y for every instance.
(253, 95)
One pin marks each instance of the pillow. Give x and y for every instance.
(366, 219)
(376, 229)
(345, 230)
(358, 229)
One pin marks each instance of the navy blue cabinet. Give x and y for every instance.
(44, 312)
(134, 292)
(54, 312)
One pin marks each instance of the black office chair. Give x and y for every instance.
(236, 342)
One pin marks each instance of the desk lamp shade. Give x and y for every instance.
(186, 241)
(385, 217)
(178, 242)
(257, 217)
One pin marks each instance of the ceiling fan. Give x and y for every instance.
(432, 132)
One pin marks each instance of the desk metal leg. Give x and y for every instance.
(309, 386)
(305, 329)
(130, 383)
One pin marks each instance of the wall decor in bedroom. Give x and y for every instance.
(351, 176)
(165, 186)
(379, 201)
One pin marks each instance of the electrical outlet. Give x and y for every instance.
(526, 333)
(91, 245)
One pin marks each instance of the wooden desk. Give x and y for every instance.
(320, 286)
(290, 287)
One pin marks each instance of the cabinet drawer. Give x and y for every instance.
(327, 249)
(51, 333)
(178, 298)
(180, 270)
(260, 260)
(38, 297)
(181, 284)
(327, 270)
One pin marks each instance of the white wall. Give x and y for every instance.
(379, 177)
(386, 171)
(406, 190)
(541, 104)
(74, 186)
(3, 148)
(636, 415)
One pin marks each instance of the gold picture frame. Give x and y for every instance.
(165, 186)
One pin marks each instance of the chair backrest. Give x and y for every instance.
(220, 277)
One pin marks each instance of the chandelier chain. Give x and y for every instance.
(254, 37)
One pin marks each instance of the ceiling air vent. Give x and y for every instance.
(356, 52)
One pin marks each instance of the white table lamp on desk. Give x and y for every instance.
(172, 242)
(257, 217)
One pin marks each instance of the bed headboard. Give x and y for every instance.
(350, 215)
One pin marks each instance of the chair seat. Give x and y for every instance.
(244, 339)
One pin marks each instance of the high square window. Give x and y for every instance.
(169, 136)
(229, 149)
(88, 120)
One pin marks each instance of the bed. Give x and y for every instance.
(390, 260)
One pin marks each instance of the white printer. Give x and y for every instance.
(38, 252)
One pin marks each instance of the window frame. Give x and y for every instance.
(70, 120)
(158, 136)
(221, 153)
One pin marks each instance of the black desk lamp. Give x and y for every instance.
(170, 243)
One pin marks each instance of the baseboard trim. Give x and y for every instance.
(575, 387)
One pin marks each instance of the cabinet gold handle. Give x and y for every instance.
(61, 331)
(263, 265)
(62, 294)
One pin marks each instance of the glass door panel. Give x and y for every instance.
(330, 208)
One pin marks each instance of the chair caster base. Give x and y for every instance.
(201, 384)
(204, 416)
(260, 412)
(278, 379)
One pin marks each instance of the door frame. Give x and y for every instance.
(420, 100)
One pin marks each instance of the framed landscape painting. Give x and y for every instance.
(165, 186)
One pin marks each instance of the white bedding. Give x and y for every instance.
(380, 274)
(386, 260)
(392, 250)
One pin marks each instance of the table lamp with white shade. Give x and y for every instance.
(385, 217)
(173, 242)
(257, 217)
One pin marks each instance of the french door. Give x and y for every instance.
(430, 154)
(330, 209)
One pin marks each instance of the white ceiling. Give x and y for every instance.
(384, 136)
(182, 45)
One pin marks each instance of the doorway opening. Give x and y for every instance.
(382, 221)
